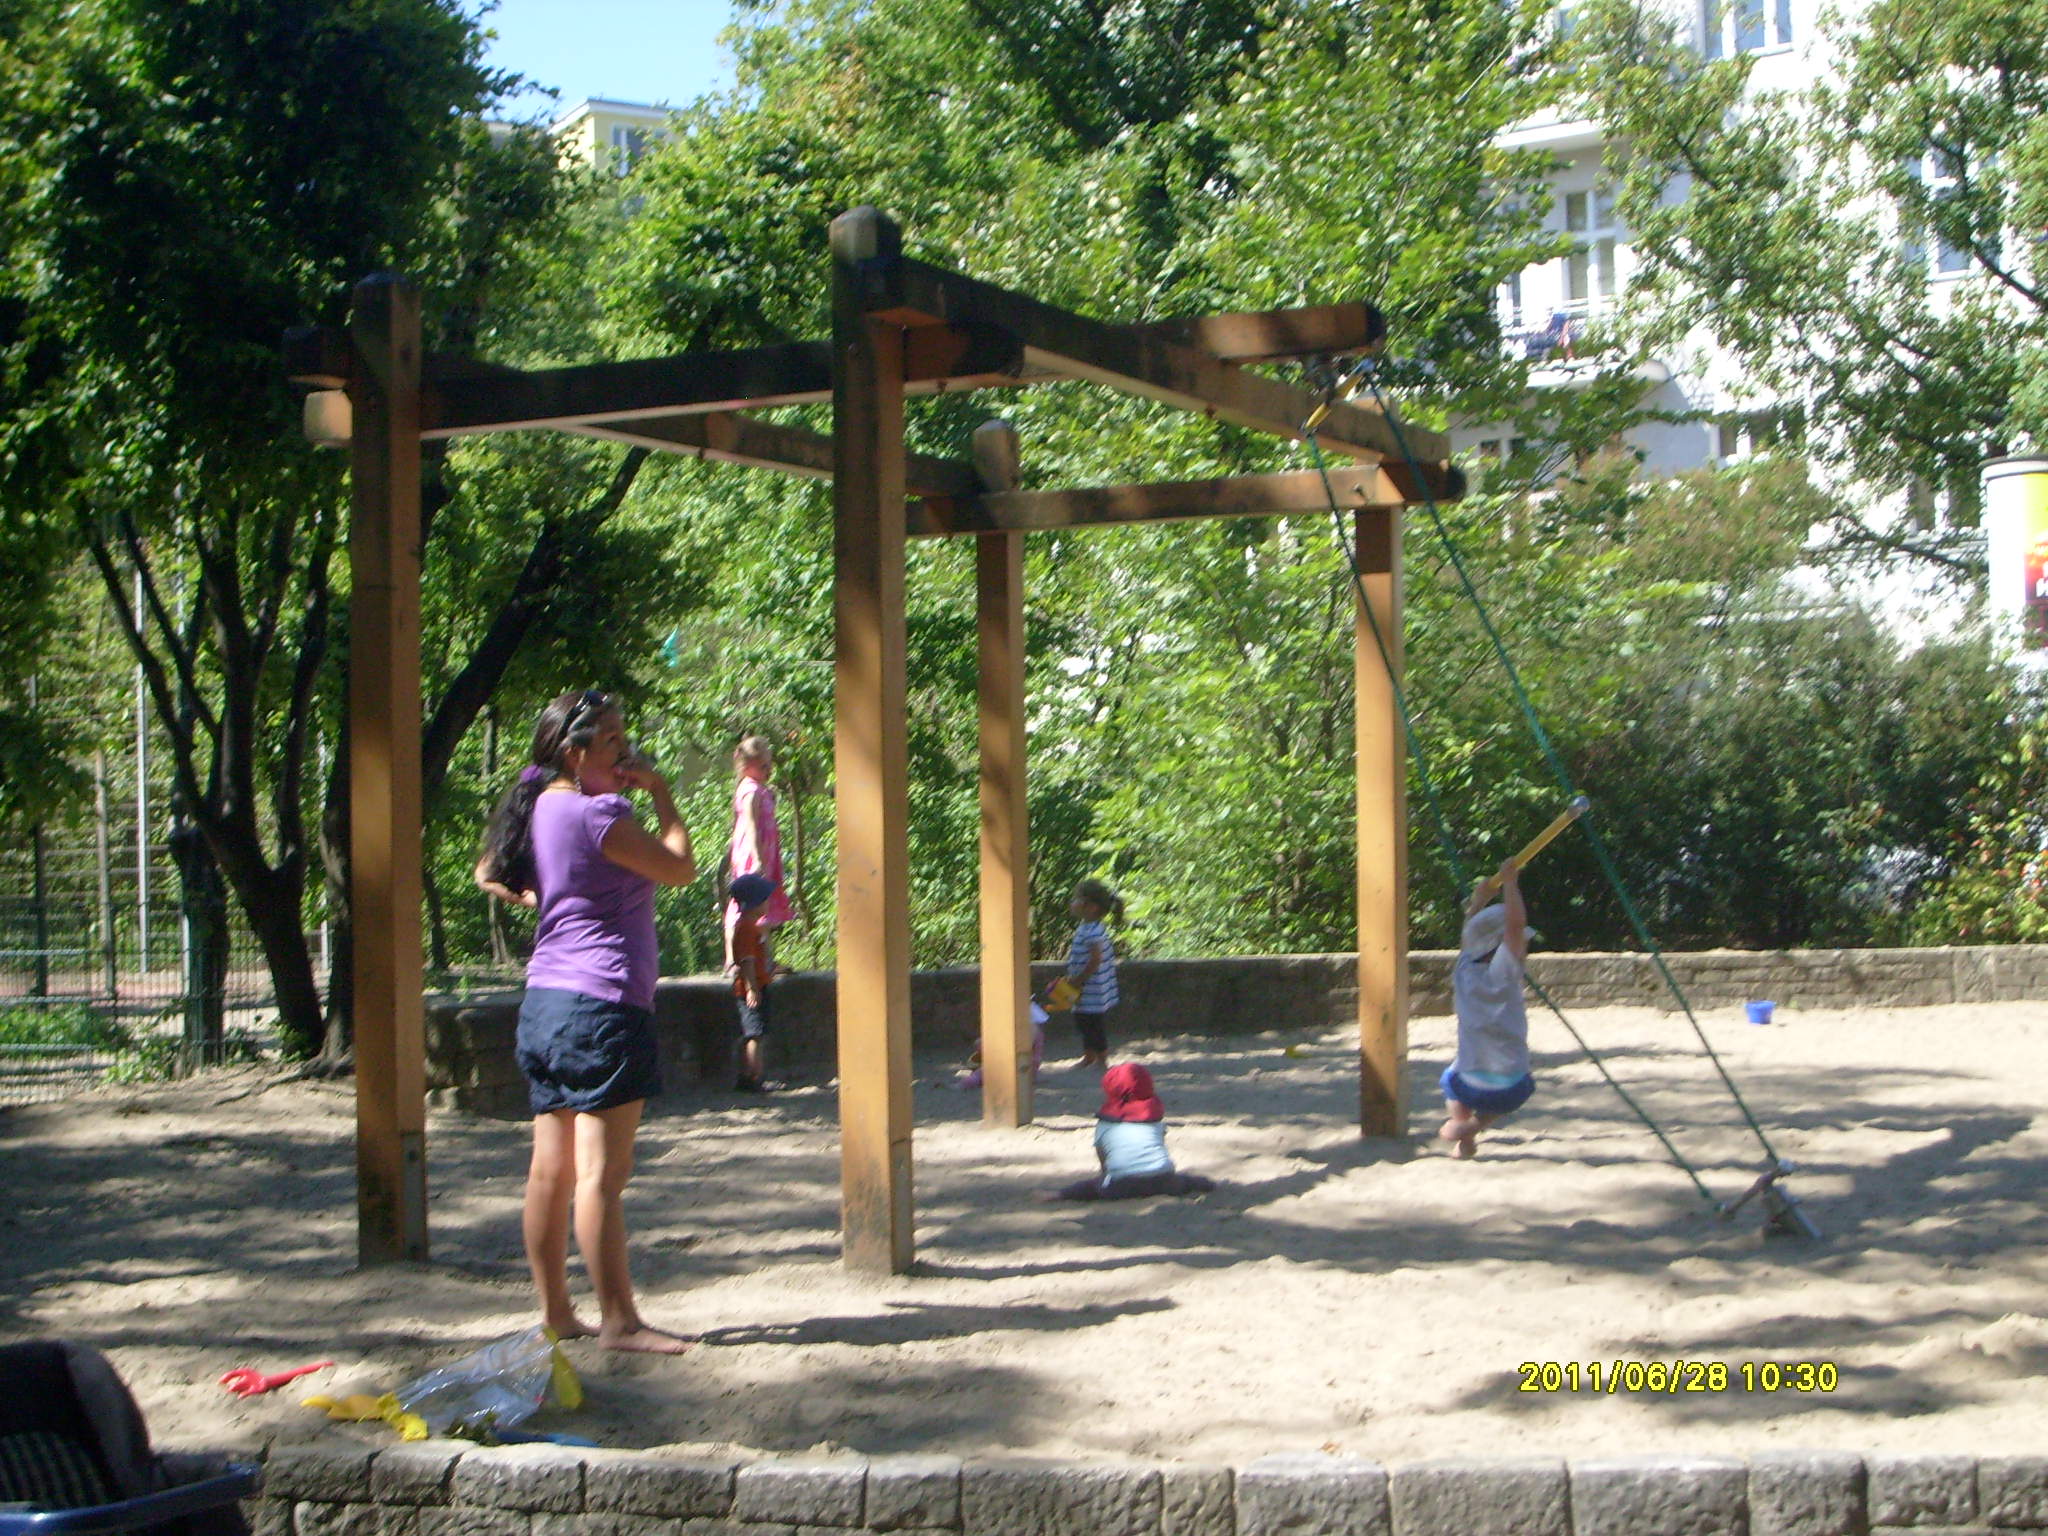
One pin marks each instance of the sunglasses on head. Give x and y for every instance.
(594, 701)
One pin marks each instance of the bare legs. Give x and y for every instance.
(1462, 1128)
(550, 1186)
(580, 1164)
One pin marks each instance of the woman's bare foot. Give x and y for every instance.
(643, 1340)
(571, 1327)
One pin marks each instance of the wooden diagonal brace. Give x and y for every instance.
(1131, 359)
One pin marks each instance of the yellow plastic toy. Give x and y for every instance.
(1061, 995)
(361, 1407)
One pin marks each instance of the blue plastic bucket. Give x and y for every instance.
(1760, 1013)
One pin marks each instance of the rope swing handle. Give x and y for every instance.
(1542, 840)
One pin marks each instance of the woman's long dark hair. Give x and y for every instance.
(570, 720)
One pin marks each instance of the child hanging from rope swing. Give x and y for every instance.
(1489, 1079)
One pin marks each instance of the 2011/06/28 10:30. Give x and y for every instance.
(1611, 1376)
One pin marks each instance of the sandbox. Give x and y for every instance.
(1371, 1300)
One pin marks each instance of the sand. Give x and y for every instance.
(1371, 1298)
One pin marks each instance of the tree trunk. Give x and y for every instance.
(276, 922)
(341, 976)
(203, 902)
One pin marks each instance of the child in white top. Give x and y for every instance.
(1490, 1078)
(1130, 1144)
(1091, 967)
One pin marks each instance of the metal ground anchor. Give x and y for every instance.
(1783, 1216)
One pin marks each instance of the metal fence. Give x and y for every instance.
(90, 988)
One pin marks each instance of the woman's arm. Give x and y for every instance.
(664, 855)
(499, 889)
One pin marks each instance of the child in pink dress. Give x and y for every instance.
(756, 847)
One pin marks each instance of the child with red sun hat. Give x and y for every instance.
(1130, 1144)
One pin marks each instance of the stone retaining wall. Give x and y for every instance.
(469, 1040)
(444, 1488)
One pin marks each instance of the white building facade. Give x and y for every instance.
(1546, 311)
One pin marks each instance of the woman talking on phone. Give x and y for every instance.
(565, 842)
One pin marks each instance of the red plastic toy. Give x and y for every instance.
(246, 1381)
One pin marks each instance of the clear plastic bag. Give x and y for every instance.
(498, 1387)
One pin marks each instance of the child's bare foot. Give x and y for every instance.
(1465, 1148)
(571, 1326)
(643, 1340)
(1454, 1130)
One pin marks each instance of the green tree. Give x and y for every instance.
(178, 184)
(1798, 233)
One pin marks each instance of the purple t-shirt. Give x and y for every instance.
(596, 932)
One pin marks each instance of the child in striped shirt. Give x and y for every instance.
(1091, 967)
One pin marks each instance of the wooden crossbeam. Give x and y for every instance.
(1362, 487)
(790, 373)
(912, 292)
(726, 437)
(1276, 335)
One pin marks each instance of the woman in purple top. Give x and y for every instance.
(564, 842)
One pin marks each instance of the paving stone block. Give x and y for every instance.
(720, 1527)
(547, 1477)
(1660, 1496)
(1933, 1530)
(1305, 1495)
(1922, 1490)
(317, 1519)
(2012, 1492)
(455, 1520)
(801, 1490)
(1807, 1493)
(416, 1473)
(1029, 1498)
(914, 1493)
(268, 1517)
(331, 1474)
(600, 1525)
(1482, 1497)
(1197, 1501)
(635, 1483)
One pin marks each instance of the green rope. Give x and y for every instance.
(1443, 830)
(1558, 768)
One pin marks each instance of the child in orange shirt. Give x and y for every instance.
(752, 970)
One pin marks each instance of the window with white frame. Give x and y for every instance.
(1940, 180)
(1729, 27)
(628, 145)
(1746, 434)
(1589, 272)
(1508, 299)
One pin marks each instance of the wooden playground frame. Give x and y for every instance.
(899, 327)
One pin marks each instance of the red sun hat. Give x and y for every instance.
(1128, 1094)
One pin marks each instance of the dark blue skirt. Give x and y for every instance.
(1487, 1101)
(584, 1053)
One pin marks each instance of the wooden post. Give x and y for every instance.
(1006, 1066)
(384, 772)
(1382, 833)
(870, 756)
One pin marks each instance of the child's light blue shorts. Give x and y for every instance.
(1488, 1101)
